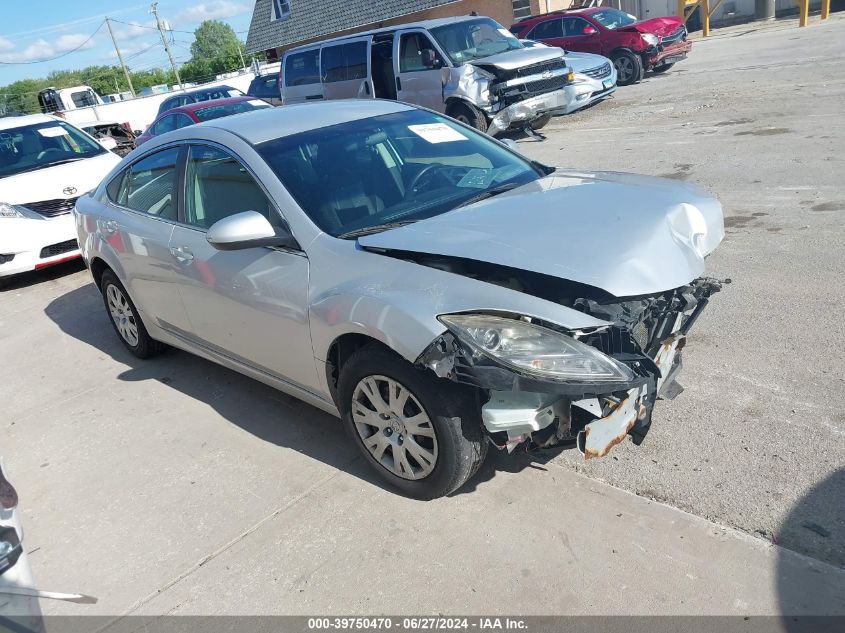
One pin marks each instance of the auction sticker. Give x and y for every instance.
(437, 133)
(52, 131)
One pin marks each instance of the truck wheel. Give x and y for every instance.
(662, 69)
(468, 115)
(541, 122)
(629, 68)
(420, 433)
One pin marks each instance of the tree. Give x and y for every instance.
(215, 40)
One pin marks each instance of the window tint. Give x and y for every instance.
(150, 185)
(574, 26)
(302, 68)
(218, 186)
(165, 124)
(547, 30)
(410, 52)
(344, 62)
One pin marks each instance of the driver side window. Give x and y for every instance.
(411, 47)
(217, 186)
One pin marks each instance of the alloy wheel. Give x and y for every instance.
(394, 427)
(122, 315)
(624, 68)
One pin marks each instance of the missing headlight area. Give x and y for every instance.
(593, 411)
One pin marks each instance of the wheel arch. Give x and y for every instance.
(341, 349)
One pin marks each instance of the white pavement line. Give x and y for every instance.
(220, 550)
(728, 529)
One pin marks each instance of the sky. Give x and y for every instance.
(37, 31)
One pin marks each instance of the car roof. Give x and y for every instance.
(271, 123)
(421, 24)
(202, 91)
(9, 122)
(536, 19)
(202, 105)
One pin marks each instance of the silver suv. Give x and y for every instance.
(435, 289)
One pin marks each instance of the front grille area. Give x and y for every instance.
(677, 36)
(58, 249)
(52, 208)
(599, 72)
(536, 69)
(540, 86)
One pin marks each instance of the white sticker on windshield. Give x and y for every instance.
(52, 131)
(506, 33)
(437, 133)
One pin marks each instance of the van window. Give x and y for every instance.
(344, 62)
(411, 47)
(547, 30)
(303, 68)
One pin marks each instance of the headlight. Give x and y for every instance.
(534, 349)
(10, 211)
(650, 39)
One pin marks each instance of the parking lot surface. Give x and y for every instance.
(176, 486)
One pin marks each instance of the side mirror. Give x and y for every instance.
(429, 58)
(589, 30)
(247, 229)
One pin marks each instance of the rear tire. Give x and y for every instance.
(468, 115)
(541, 122)
(420, 433)
(629, 68)
(662, 69)
(125, 318)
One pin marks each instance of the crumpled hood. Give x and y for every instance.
(49, 183)
(628, 235)
(511, 60)
(658, 26)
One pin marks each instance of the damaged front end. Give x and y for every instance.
(546, 386)
(511, 98)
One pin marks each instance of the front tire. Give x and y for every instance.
(541, 122)
(629, 68)
(125, 318)
(662, 69)
(421, 434)
(468, 115)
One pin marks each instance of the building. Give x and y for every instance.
(280, 24)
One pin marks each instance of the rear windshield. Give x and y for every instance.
(220, 93)
(302, 69)
(32, 147)
(226, 109)
(613, 18)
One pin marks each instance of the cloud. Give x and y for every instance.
(42, 49)
(214, 10)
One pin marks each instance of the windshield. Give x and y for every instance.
(32, 147)
(215, 112)
(399, 167)
(473, 39)
(613, 18)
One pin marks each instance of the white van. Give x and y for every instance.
(470, 68)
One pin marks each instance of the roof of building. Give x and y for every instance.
(310, 20)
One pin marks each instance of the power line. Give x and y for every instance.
(152, 28)
(65, 54)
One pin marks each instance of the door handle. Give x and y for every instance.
(110, 226)
(398, 84)
(182, 253)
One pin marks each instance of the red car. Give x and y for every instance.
(634, 46)
(192, 113)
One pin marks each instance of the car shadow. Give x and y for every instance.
(35, 277)
(264, 412)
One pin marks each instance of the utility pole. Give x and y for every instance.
(154, 11)
(120, 58)
(240, 52)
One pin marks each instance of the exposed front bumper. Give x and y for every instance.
(522, 113)
(669, 55)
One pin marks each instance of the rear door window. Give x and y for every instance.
(547, 30)
(344, 62)
(303, 68)
(149, 185)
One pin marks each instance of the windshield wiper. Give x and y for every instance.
(489, 193)
(375, 228)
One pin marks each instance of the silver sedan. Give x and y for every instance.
(428, 284)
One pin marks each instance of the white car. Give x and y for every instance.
(45, 165)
